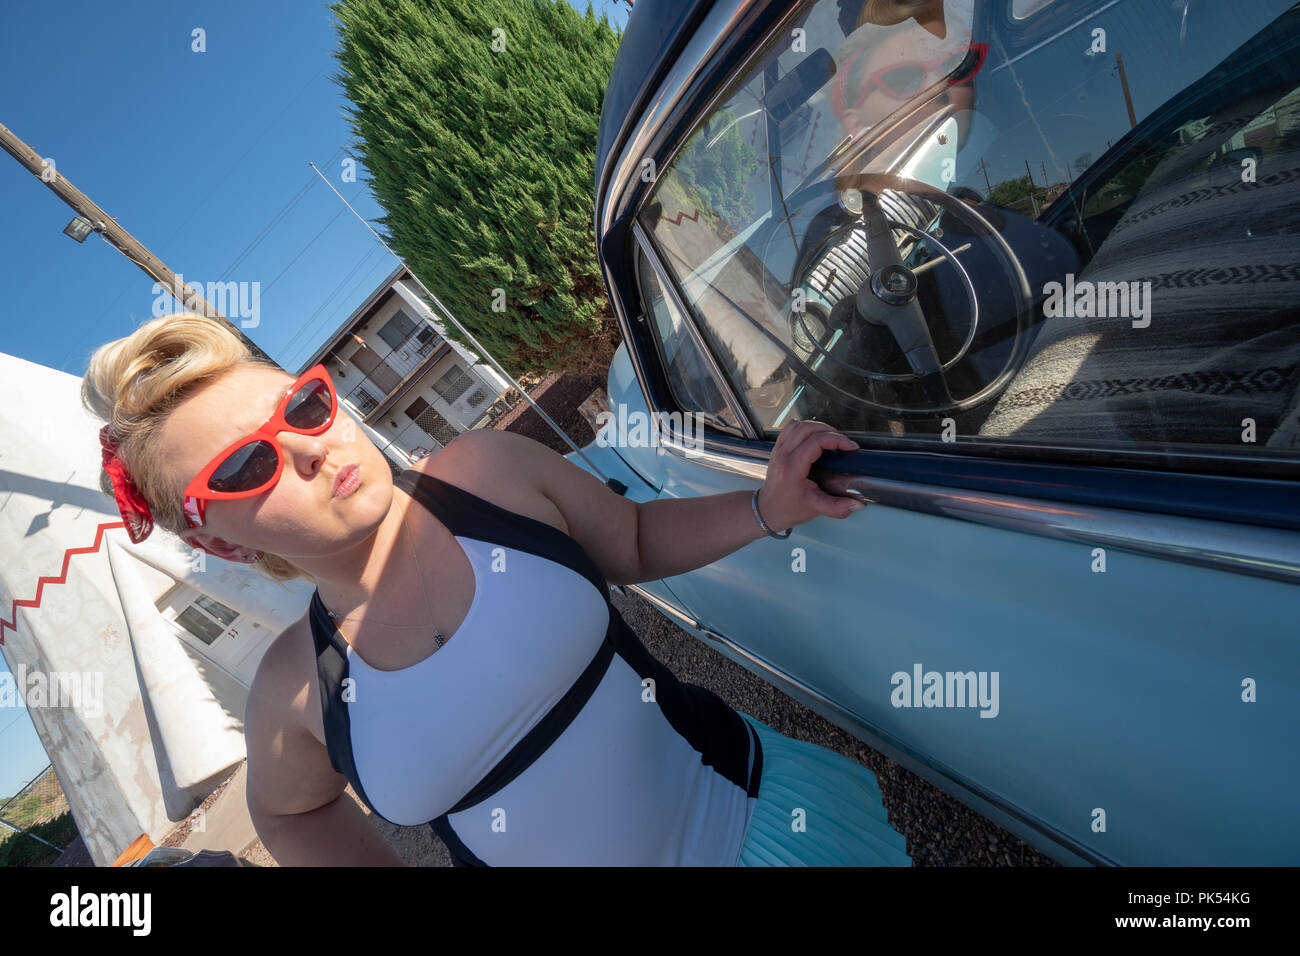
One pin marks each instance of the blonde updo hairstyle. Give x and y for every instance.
(135, 382)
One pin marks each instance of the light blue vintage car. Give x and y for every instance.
(1041, 259)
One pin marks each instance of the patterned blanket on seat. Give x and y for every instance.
(1221, 343)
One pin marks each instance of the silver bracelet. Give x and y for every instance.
(763, 524)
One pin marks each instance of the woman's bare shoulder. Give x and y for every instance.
(487, 463)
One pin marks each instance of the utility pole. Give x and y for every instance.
(1128, 97)
(986, 176)
(189, 297)
(1033, 200)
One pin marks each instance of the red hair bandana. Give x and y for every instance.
(135, 510)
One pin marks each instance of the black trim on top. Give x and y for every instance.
(503, 525)
(544, 733)
(712, 727)
(504, 529)
(331, 672)
(756, 772)
(461, 855)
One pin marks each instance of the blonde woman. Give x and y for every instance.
(460, 662)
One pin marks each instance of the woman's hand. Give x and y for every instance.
(788, 496)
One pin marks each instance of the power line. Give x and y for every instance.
(20, 714)
(94, 218)
(251, 146)
(329, 299)
(275, 221)
(310, 242)
(113, 305)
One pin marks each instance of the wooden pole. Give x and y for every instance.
(1128, 97)
(190, 298)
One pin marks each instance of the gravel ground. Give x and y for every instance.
(940, 831)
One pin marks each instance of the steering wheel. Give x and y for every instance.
(888, 297)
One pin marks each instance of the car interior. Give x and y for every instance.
(997, 222)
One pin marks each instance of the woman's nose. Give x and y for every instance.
(305, 452)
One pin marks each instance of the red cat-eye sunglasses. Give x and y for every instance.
(253, 463)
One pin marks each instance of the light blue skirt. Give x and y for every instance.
(843, 820)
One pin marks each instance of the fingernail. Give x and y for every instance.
(857, 506)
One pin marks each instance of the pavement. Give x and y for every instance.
(940, 831)
(223, 823)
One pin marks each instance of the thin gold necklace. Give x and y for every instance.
(403, 532)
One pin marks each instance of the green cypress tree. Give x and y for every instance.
(477, 125)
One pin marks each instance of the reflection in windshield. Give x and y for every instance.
(1029, 124)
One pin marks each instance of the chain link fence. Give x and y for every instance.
(36, 824)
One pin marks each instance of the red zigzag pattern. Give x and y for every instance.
(681, 216)
(61, 579)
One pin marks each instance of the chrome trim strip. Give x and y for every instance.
(721, 379)
(706, 39)
(805, 694)
(1237, 548)
(663, 605)
(1222, 546)
(691, 451)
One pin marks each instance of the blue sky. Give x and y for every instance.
(195, 154)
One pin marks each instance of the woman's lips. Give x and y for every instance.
(347, 481)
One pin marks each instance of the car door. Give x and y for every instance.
(1072, 600)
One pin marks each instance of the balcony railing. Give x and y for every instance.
(383, 373)
(363, 400)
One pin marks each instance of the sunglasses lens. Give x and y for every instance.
(246, 468)
(310, 406)
(903, 80)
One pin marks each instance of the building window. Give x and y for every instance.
(433, 424)
(360, 399)
(398, 329)
(206, 619)
(453, 384)
(428, 340)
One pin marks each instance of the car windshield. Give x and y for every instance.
(892, 217)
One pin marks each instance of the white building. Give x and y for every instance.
(410, 387)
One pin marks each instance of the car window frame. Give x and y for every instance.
(719, 78)
(672, 301)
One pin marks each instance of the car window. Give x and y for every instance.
(900, 221)
(694, 386)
